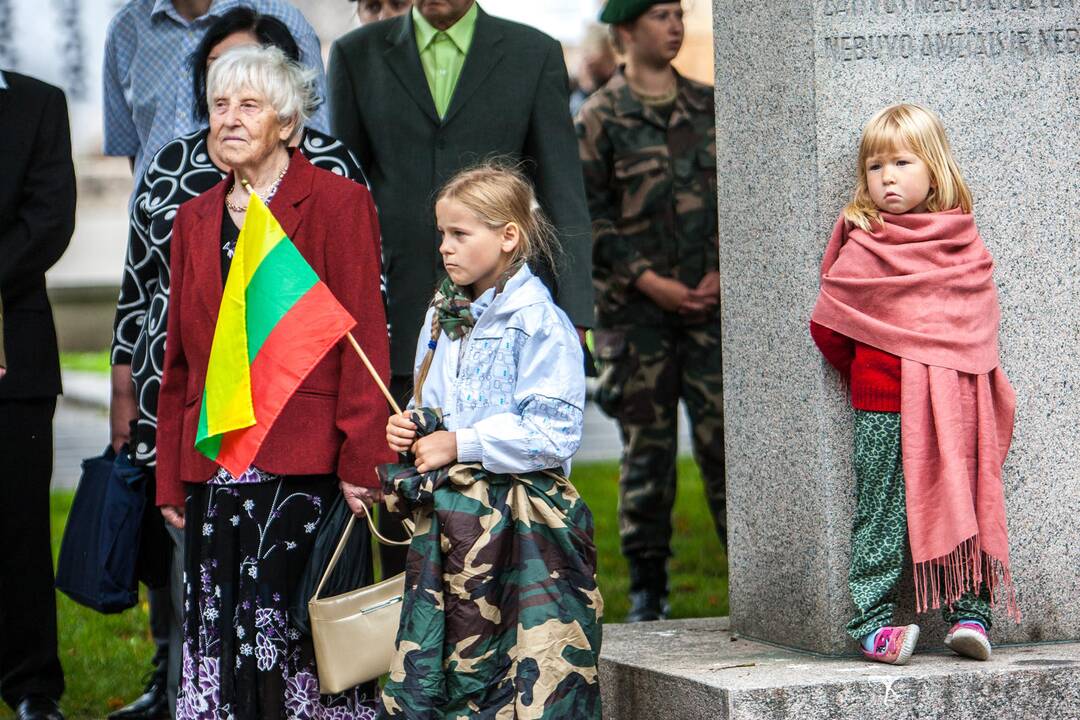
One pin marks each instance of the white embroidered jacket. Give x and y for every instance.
(514, 388)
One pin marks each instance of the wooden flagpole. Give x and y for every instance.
(374, 374)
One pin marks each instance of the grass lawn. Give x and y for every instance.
(105, 657)
(698, 571)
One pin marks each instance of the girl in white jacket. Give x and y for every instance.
(501, 613)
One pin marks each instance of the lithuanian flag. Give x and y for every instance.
(277, 321)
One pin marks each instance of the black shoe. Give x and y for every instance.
(38, 707)
(646, 606)
(153, 704)
(648, 590)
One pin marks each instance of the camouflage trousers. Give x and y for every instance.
(501, 617)
(879, 536)
(644, 372)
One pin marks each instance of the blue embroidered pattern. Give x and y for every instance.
(488, 373)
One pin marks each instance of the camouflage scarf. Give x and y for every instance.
(453, 310)
(453, 307)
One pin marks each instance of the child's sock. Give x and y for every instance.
(974, 621)
(868, 641)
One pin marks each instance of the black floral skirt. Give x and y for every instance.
(246, 544)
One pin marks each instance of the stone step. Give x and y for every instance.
(698, 670)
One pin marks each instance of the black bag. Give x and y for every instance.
(97, 565)
(353, 570)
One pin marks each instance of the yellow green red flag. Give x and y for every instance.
(276, 322)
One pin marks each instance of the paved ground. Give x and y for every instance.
(96, 254)
(78, 432)
(81, 429)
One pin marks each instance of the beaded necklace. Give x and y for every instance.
(269, 193)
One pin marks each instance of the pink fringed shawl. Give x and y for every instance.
(920, 286)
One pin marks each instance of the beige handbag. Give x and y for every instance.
(355, 633)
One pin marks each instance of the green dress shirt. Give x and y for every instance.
(442, 54)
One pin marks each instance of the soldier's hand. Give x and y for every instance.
(702, 299)
(400, 433)
(709, 287)
(437, 450)
(695, 310)
(669, 294)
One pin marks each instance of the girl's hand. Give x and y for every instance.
(400, 433)
(360, 499)
(174, 515)
(437, 450)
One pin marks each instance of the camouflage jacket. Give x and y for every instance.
(651, 187)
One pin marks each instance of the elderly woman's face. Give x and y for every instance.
(244, 129)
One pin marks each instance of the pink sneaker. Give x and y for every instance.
(893, 645)
(969, 639)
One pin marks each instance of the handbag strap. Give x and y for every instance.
(409, 525)
(345, 538)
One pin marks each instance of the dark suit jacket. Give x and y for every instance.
(511, 100)
(37, 216)
(336, 420)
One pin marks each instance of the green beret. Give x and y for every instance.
(620, 11)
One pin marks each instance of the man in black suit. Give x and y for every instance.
(421, 96)
(37, 216)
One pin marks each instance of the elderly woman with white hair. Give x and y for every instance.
(248, 537)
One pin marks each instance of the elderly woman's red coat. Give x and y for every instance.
(335, 423)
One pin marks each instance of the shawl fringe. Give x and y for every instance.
(943, 580)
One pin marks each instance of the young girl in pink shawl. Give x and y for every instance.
(908, 313)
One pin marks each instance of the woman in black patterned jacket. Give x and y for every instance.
(181, 170)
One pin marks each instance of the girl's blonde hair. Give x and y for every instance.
(920, 131)
(499, 194)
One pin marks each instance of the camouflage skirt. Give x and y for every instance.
(501, 617)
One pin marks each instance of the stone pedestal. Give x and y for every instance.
(795, 81)
(699, 670)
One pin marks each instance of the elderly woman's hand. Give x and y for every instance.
(360, 499)
(174, 515)
(400, 433)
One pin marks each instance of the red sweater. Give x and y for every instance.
(873, 375)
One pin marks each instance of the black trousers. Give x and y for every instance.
(166, 616)
(392, 557)
(29, 664)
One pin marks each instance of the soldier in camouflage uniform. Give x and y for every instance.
(647, 145)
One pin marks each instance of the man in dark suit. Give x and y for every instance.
(421, 96)
(37, 216)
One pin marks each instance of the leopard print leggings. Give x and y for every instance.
(879, 539)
